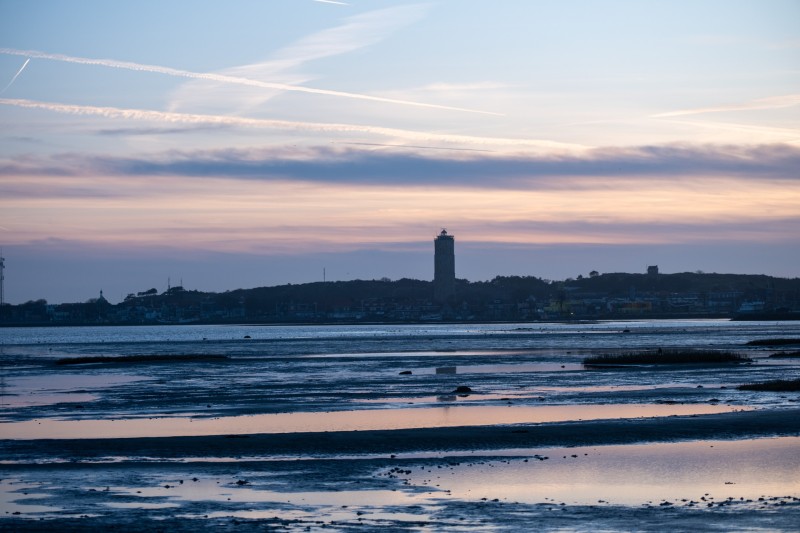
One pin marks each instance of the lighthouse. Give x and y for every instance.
(444, 267)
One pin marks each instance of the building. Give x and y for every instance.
(652, 270)
(444, 267)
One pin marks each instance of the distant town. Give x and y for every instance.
(595, 296)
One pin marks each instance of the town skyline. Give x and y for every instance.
(268, 142)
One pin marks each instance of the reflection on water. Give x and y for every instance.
(14, 401)
(700, 471)
(14, 494)
(224, 490)
(29, 391)
(502, 369)
(450, 416)
(364, 505)
(66, 382)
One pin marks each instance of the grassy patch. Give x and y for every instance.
(774, 342)
(787, 355)
(667, 357)
(779, 385)
(137, 359)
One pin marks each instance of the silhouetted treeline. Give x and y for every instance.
(504, 298)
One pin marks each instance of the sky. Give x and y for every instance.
(261, 142)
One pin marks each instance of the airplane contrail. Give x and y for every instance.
(25, 64)
(127, 65)
(321, 127)
(332, 2)
(771, 102)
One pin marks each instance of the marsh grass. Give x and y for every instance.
(667, 357)
(778, 385)
(774, 342)
(137, 359)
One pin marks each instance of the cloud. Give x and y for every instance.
(786, 135)
(160, 130)
(315, 127)
(156, 69)
(385, 168)
(772, 102)
(348, 165)
(356, 32)
(756, 229)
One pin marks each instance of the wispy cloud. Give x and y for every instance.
(317, 127)
(775, 134)
(332, 2)
(156, 69)
(356, 32)
(772, 102)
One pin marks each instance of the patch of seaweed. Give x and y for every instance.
(667, 357)
(778, 385)
(138, 358)
(787, 355)
(774, 342)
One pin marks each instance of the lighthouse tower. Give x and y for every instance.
(444, 267)
(2, 278)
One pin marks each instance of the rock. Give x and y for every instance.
(405, 373)
(462, 389)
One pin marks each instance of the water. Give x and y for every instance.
(299, 379)
(687, 331)
(300, 422)
(291, 369)
(682, 472)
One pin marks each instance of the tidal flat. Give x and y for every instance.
(489, 427)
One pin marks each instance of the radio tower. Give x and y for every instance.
(2, 277)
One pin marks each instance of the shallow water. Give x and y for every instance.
(364, 420)
(553, 336)
(699, 471)
(349, 378)
(339, 368)
(751, 476)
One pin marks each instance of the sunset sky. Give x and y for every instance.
(251, 143)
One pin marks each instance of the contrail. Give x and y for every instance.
(771, 102)
(332, 2)
(127, 65)
(321, 127)
(25, 64)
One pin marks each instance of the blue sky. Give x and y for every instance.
(258, 143)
